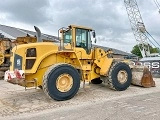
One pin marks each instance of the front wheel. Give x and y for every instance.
(61, 82)
(120, 76)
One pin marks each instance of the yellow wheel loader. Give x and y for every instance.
(58, 68)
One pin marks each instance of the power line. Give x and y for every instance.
(153, 38)
(157, 4)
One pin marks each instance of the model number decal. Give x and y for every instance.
(149, 64)
(18, 62)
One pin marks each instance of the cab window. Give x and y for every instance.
(67, 36)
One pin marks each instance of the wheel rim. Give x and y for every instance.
(122, 76)
(64, 82)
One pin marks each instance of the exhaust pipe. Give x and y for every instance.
(39, 38)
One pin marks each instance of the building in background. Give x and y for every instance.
(12, 33)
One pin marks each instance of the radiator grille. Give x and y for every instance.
(30, 63)
(31, 52)
(30, 58)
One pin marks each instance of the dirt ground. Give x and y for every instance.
(15, 101)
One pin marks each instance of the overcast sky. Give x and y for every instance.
(108, 17)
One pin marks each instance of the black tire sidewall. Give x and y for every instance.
(52, 78)
(117, 85)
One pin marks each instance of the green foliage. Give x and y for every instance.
(154, 50)
(136, 51)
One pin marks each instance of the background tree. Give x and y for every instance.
(154, 50)
(136, 51)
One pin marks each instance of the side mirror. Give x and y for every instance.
(94, 34)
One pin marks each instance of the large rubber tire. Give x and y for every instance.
(96, 81)
(50, 80)
(114, 81)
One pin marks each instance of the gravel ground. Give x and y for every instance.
(15, 101)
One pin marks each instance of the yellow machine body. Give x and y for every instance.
(48, 53)
(58, 68)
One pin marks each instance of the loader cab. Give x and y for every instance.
(78, 37)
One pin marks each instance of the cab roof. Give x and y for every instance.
(83, 27)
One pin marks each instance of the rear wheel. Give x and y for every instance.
(61, 82)
(120, 76)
